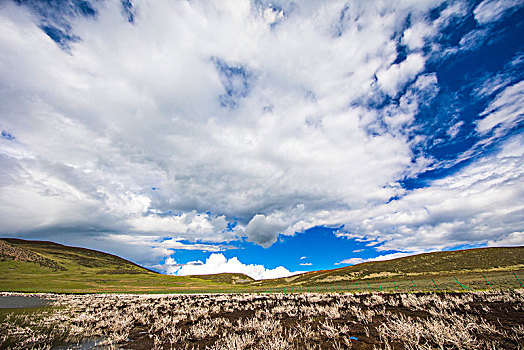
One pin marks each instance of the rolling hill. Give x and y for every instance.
(59, 257)
(39, 266)
(466, 263)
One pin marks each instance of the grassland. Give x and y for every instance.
(36, 266)
(421, 266)
(407, 303)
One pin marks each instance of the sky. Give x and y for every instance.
(262, 137)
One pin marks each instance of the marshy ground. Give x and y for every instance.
(472, 320)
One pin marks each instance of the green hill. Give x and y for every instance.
(39, 266)
(59, 257)
(228, 278)
(500, 260)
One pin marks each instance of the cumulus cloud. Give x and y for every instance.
(397, 75)
(398, 116)
(218, 263)
(264, 230)
(144, 249)
(513, 239)
(207, 122)
(481, 203)
(171, 266)
(195, 114)
(305, 264)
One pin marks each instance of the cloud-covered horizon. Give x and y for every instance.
(218, 263)
(206, 123)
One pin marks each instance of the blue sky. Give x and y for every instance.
(262, 137)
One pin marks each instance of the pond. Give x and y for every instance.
(23, 302)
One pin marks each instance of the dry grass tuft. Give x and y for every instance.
(279, 321)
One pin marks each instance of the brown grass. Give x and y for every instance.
(479, 320)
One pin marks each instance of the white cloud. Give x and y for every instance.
(303, 257)
(414, 37)
(264, 230)
(189, 225)
(493, 84)
(505, 111)
(132, 107)
(170, 266)
(355, 261)
(493, 10)
(218, 263)
(474, 39)
(145, 249)
(424, 89)
(305, 264)
(396, 76)
(351, 261)
(454, 129)
(512, 239)
(481, 203)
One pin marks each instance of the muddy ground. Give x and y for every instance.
(480, 320)
(362, 334)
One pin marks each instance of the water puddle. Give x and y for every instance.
(23, 302)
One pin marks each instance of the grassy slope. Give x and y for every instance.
(227, 278)
(459, 262)
(75, 270)
(78, 270)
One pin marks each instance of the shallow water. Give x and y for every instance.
(22, 302)
(88, 344)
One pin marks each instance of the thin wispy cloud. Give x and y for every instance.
(355, 261)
